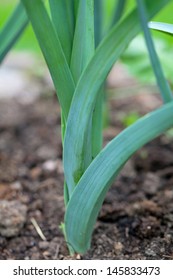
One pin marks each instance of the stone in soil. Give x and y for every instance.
(12, 217)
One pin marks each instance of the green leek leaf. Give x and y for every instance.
(83, 43)
(88, 196)
(160, 26)
(12, 30)
(119, 11)
(62, 13)
(98, 17)
(87, 90)
(83, 50)
(52, 51)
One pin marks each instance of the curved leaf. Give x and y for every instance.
(160, 26)
(88, 196)
(87, 89)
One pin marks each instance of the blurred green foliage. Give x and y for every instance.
(136, 54)
(27, 40)
(130, 118)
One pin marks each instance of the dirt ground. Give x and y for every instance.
(136, 220)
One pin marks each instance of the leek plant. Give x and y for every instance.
(79, 55)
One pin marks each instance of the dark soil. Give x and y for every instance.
(136, 220)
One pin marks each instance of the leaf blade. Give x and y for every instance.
(160, 26)
(119, 11)
(61, 10)
(89, 194)
(82, 52)
(83, 43)
(98, 15)
(52, 51)
(12, 30)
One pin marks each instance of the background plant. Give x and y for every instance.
(79, 54)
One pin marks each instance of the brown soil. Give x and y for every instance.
(136, 220)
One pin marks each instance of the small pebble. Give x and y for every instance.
(118, 246)
(50, 165)
(43, 245)
(12, 217)
(151, 183)
(150, 252)
(35, 172)
(16, 186)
